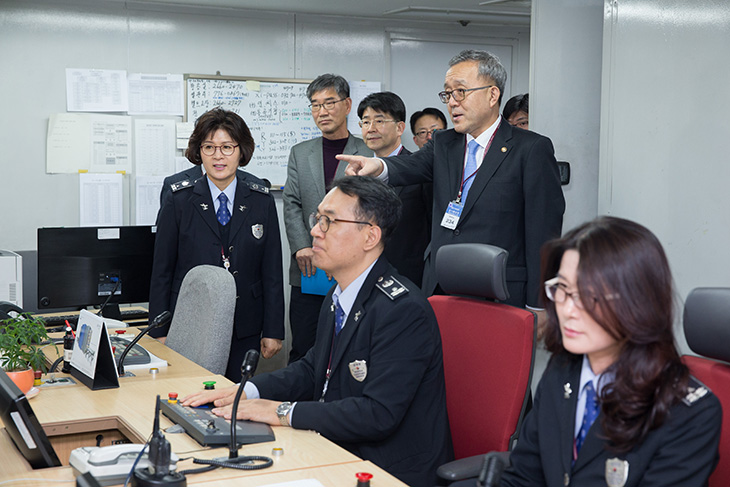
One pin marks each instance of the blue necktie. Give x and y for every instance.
(224, 216)
(470, 168)
(589, 416)
(339, 316)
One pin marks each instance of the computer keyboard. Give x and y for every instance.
(137, 356)
(128, 314)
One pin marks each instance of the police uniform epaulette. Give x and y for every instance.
(185, 183)
(696, 390)
(257, 187)
(391, 287)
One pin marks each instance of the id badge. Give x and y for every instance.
(452, 215)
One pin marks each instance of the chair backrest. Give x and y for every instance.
(707, 329)
(202, 324)
(488, 349)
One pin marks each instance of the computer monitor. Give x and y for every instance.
(23, 427)
(82, 266)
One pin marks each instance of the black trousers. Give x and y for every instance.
(303, 317)
(239, 347)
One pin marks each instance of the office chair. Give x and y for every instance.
(202, 324)
(707, 329)
(488, 350)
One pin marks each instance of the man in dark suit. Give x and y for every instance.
(373, 382)
(312, 167)
(382, 118)
(493, 183)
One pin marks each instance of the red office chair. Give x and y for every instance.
(707, 329)
(488, 350)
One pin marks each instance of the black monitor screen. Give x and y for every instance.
(80, 267)
(23, 427)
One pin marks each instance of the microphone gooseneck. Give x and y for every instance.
(160, 320)
(250, 361)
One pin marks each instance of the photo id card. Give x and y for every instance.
(452, 215)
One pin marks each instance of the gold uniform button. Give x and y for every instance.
(504, 149)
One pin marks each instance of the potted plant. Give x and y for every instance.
(20, 350)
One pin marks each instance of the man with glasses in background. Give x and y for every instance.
(312, 167)
(424, 123)
(492, 184)
(383, 121)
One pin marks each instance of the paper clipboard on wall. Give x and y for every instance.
(92, 362)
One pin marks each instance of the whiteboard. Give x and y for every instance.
(276, 111)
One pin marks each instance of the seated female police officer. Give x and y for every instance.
(615, 406)
(226, 218)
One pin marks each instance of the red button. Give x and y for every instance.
(363, 476)
(172, 395)
(120, 332)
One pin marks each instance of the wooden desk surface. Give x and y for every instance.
(340, 475)
(177, 365)
(134, 402)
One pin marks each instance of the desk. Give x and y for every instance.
(306, 454)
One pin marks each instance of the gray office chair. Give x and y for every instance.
(202, 324)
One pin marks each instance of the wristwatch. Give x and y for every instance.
(282, 410)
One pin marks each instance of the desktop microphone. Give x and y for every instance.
(250, 361)
(114, 313)
(234, 461)
(160, 320)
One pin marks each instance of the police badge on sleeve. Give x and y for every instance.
(257, 230)
(617, 472)
(358, 370)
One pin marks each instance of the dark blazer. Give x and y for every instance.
(191, 174)
(515, 202)
(188, 235)
(396, 415)
(407, 246)
(304, 190)
(682, 452)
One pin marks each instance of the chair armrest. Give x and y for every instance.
(463, 468)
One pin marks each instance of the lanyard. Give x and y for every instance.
(329, 367)
(226, 261)
(465, 178)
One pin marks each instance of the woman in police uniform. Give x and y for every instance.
(226, 218)
(615, 406)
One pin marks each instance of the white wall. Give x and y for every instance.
(665, 128)
(39, 39)
(565, 94)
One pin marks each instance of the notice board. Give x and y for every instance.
(275, 110)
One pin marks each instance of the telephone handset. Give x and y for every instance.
(6, 308)
(109, 464)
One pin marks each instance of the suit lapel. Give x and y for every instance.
(357, 313)
(571, 385)
(455, 152)
(203, 203)
(240, 207)
(317, 167)
(498, 151)
(350, 148)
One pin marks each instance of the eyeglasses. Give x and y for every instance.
(557, 294)
(460, 93)
(325, 221)
(423, 134)
(377, 123)
(226, 149)
(328, 105)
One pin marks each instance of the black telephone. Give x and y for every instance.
(6, 308)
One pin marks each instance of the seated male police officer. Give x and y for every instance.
(374, 380)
